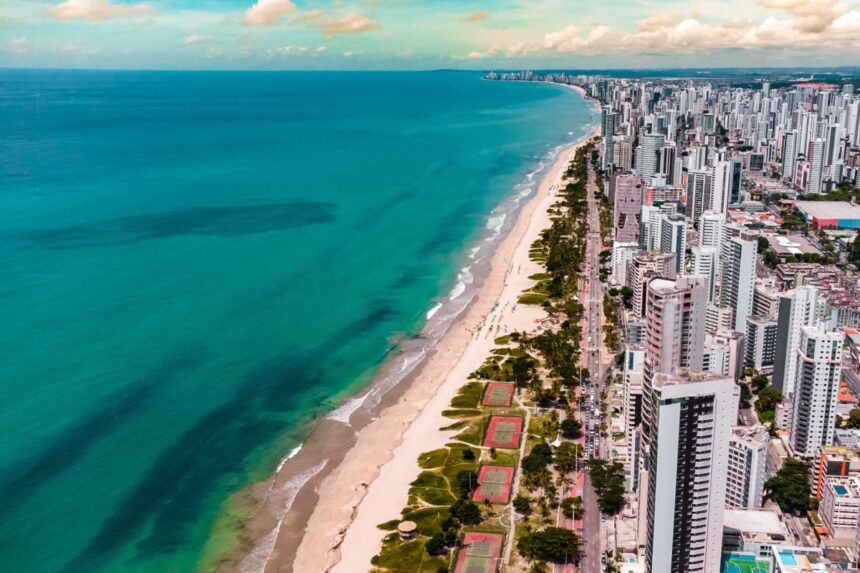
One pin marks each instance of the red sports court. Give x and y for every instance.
(498, 394)
(494, 484)
(504, 432)
(479, 554)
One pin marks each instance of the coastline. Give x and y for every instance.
(364, 454)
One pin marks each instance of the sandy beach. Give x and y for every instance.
(369, 486)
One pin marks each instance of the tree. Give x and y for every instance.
(522, 504)
(759, 382)
(566, 455)
(789, 488)
(436, 545)
(553, 544)
(608, 481)
(853, 420)
(571, 428)
(467, 480)
(466, 511)
(567, 507)
(768, 399)
(538, 458)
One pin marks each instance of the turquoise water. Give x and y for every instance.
(196, 265)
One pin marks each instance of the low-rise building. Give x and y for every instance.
(840, 504)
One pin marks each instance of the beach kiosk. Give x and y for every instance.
(407, 530)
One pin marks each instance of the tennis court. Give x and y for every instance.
(504, 432)
(744, 563)
(494, 484)
(498, 394)
(479, 553)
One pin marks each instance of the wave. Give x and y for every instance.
(464, 279)
(293, 453)
(434, 310)
(279, 502)
(345, 411)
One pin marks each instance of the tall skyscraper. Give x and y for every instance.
(816, 388)
(649, 157)
(628, 208)
(747, 467)
(760, 343)
(797, 308)
(675, 323)
(816, 166)
(737, 278)
(607, 130)
(673, 239)
(711, 229)
(703, 263)
(699, 184)
(686, 427)
(789, 154)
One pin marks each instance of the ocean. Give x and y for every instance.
(197, 265)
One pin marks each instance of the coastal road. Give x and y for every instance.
(592, 542)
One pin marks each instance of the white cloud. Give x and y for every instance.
(667, 34)
(196, 39)
(348, 53)
(19, 44)
(267, 12)
(321, 49)
(352, 23)
(94, 10)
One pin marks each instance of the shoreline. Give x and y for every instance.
(349, 451)
(345, 523)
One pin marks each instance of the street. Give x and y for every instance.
(592, 542)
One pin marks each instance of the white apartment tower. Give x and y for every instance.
(687, 422)
(816, 388)
(797, 308)
(747, 467)
(673, 239)
(737, 279)
(816, 166)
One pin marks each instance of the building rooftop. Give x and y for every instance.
(754, 521)
(848, 487)
(790, 245)
(829, 209)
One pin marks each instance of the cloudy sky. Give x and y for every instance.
(426, 34)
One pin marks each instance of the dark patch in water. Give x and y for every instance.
(170, 499)
(74, 442)
(224, 221)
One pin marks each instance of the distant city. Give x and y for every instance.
(733, 258)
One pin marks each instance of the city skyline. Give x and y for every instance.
(414, 35)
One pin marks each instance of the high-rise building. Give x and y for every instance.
(703, 262)
(711, 229)
(673, 239)
(607, 130)
(644, 267)
(649, 156)
(816, 167)
(747, 467)
(634, 357)
(686, 426)
(816, 388)
(797, 308)
(699, 183)
(760, 343)
(628, 208)
(675, 323)
(737, 278)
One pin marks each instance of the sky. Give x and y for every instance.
(427, 34)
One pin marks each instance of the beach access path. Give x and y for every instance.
(370, 486)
